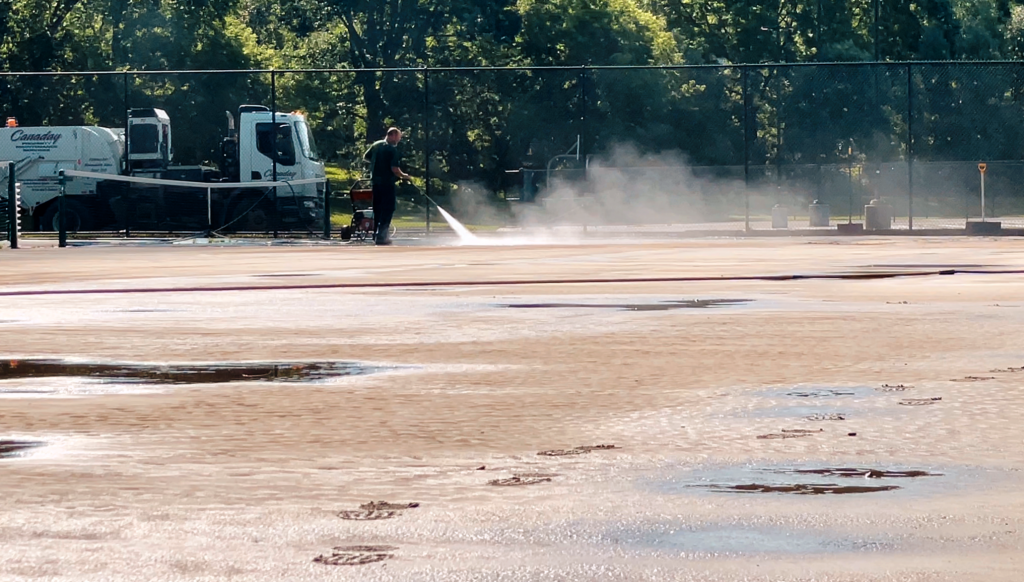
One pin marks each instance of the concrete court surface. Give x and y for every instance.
(825, 429)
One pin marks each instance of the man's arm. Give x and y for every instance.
(396, 161)
(401, 175)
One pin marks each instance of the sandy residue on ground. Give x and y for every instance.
(243, 482)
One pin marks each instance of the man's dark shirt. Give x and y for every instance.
(383, 157)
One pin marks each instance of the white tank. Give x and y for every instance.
(39, 153)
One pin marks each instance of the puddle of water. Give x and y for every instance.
(801, 480)
(856, 472)
(745, 540)
(178, 373)
(815, 392)
(660, 306)
(17, 448)
(801, 488)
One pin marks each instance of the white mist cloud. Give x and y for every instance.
(628, 187)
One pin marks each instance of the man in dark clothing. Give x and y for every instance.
(384, 162)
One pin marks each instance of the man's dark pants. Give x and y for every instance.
(383, 210)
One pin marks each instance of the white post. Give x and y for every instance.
(983, 196)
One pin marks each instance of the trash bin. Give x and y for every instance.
(878, 215)
(819, 214)
(780, 216)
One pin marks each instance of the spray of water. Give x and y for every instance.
(465, 236)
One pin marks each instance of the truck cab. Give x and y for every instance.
(149, 140)
(263, 138)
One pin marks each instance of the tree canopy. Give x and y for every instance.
(477, 124)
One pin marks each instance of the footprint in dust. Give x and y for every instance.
(375, 510)
(563, 452)
(355, 555)
(973, 379)
(919, 401)
(386, 506)
(827, 416)
(523, 479)
(894, 388)
(786, 434)
(581, 450)
(366, 515)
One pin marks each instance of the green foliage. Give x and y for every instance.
(481, 124)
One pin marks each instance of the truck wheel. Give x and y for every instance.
(78, 217)
(245, 217)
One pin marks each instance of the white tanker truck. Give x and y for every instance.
(249, 152)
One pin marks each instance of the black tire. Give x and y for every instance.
(346, 233)
(249, 216)
(78, 217)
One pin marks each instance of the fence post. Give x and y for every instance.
(910, 147)
(127, 134)
(62, 229)
(209, 212)
(129, 206)
(426, 145)
(273, 133)
(746, 148)
(12, 206)
(580, 147)
(327, 210)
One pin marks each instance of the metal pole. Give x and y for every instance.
(849, 181)
(209, 211)
(129, 207)
(62, 229)
(327, 210)
(746, 148)
(12, 206)
(127, 138)
(582, 133)
(273, 129)
(910, 147)
(426, 145)
(983, 196)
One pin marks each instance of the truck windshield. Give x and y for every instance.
(306, 140)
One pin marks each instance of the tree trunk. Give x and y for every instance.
(375, 106)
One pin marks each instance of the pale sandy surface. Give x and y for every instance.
(243, 482)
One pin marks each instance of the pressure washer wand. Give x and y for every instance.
(421, 193)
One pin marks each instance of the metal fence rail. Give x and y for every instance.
(700, 147)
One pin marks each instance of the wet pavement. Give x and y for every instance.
(814, 480)
(813, 431)
(22, 369)
(15, 448)
(747, 540)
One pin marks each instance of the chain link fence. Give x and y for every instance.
(689, 148)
